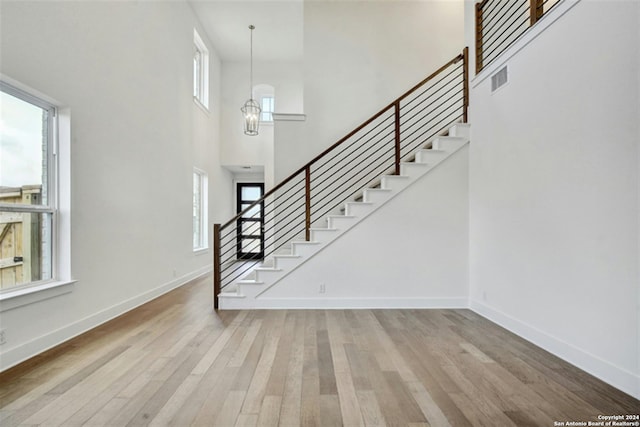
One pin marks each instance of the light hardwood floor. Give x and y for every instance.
(174, 361)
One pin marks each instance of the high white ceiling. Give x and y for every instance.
(278, 35)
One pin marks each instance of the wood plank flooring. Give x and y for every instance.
(176, 362)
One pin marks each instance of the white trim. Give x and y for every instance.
(201, 106)
(618, 377)
(529, 35)
(30, 294)
(289, 117)
(203, 178)
(25, 351)
(202, 96)
(347, 303)
(58, 186)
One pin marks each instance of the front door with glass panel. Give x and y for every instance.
(250, 223)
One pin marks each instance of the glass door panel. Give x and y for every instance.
(250, 239)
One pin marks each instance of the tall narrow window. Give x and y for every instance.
(200, 71)
(200, 208)
(27, 188)
(268, 107)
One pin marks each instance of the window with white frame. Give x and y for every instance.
(200, 209)
(200, 71)
(28, 199)
(267, 104)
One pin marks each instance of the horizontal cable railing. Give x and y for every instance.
(321, 187)
(499, 23)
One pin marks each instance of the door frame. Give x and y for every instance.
(239, 222)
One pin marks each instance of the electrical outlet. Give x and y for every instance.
(175, 273)
(3, 337)
(323, 289)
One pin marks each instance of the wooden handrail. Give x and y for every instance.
(536, 11)
(288, 179)
(391, 157)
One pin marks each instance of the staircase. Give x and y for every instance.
(323, 200)
(245, 293)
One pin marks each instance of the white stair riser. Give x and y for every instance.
(448, 143)
(267, 275)
(324, 235)
(460, 129)
(305, 249)
(340, 222)
(358, 208)
(431, 157)
(285, 263)
(414, 170)
(233, 303)
(376, 195)
(251, 290)
(395, 183)
(268, 263)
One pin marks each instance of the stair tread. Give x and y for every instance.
(249, 282)
(230, 295)
(267, 269)
(462, 138)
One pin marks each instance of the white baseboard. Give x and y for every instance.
(25, 351)
(344, 303)
(618, 377)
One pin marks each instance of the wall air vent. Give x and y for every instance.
(499, 79)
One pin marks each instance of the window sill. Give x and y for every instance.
(201, 251)
(32, 294)
(201, 105)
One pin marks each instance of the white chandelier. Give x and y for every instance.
(251, 110)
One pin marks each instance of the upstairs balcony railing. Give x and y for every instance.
(499, 23)
(318, 189)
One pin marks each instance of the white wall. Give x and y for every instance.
(554, 191)
(412, 252)
(358, 57)
(124, 71)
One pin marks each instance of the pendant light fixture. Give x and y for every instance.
(251, 110)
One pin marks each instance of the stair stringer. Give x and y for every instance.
(251, 293)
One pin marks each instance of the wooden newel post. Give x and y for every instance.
(307, 203)
(397, 145)
(216, 264)
(465, 65)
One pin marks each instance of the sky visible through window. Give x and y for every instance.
(21, 142)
